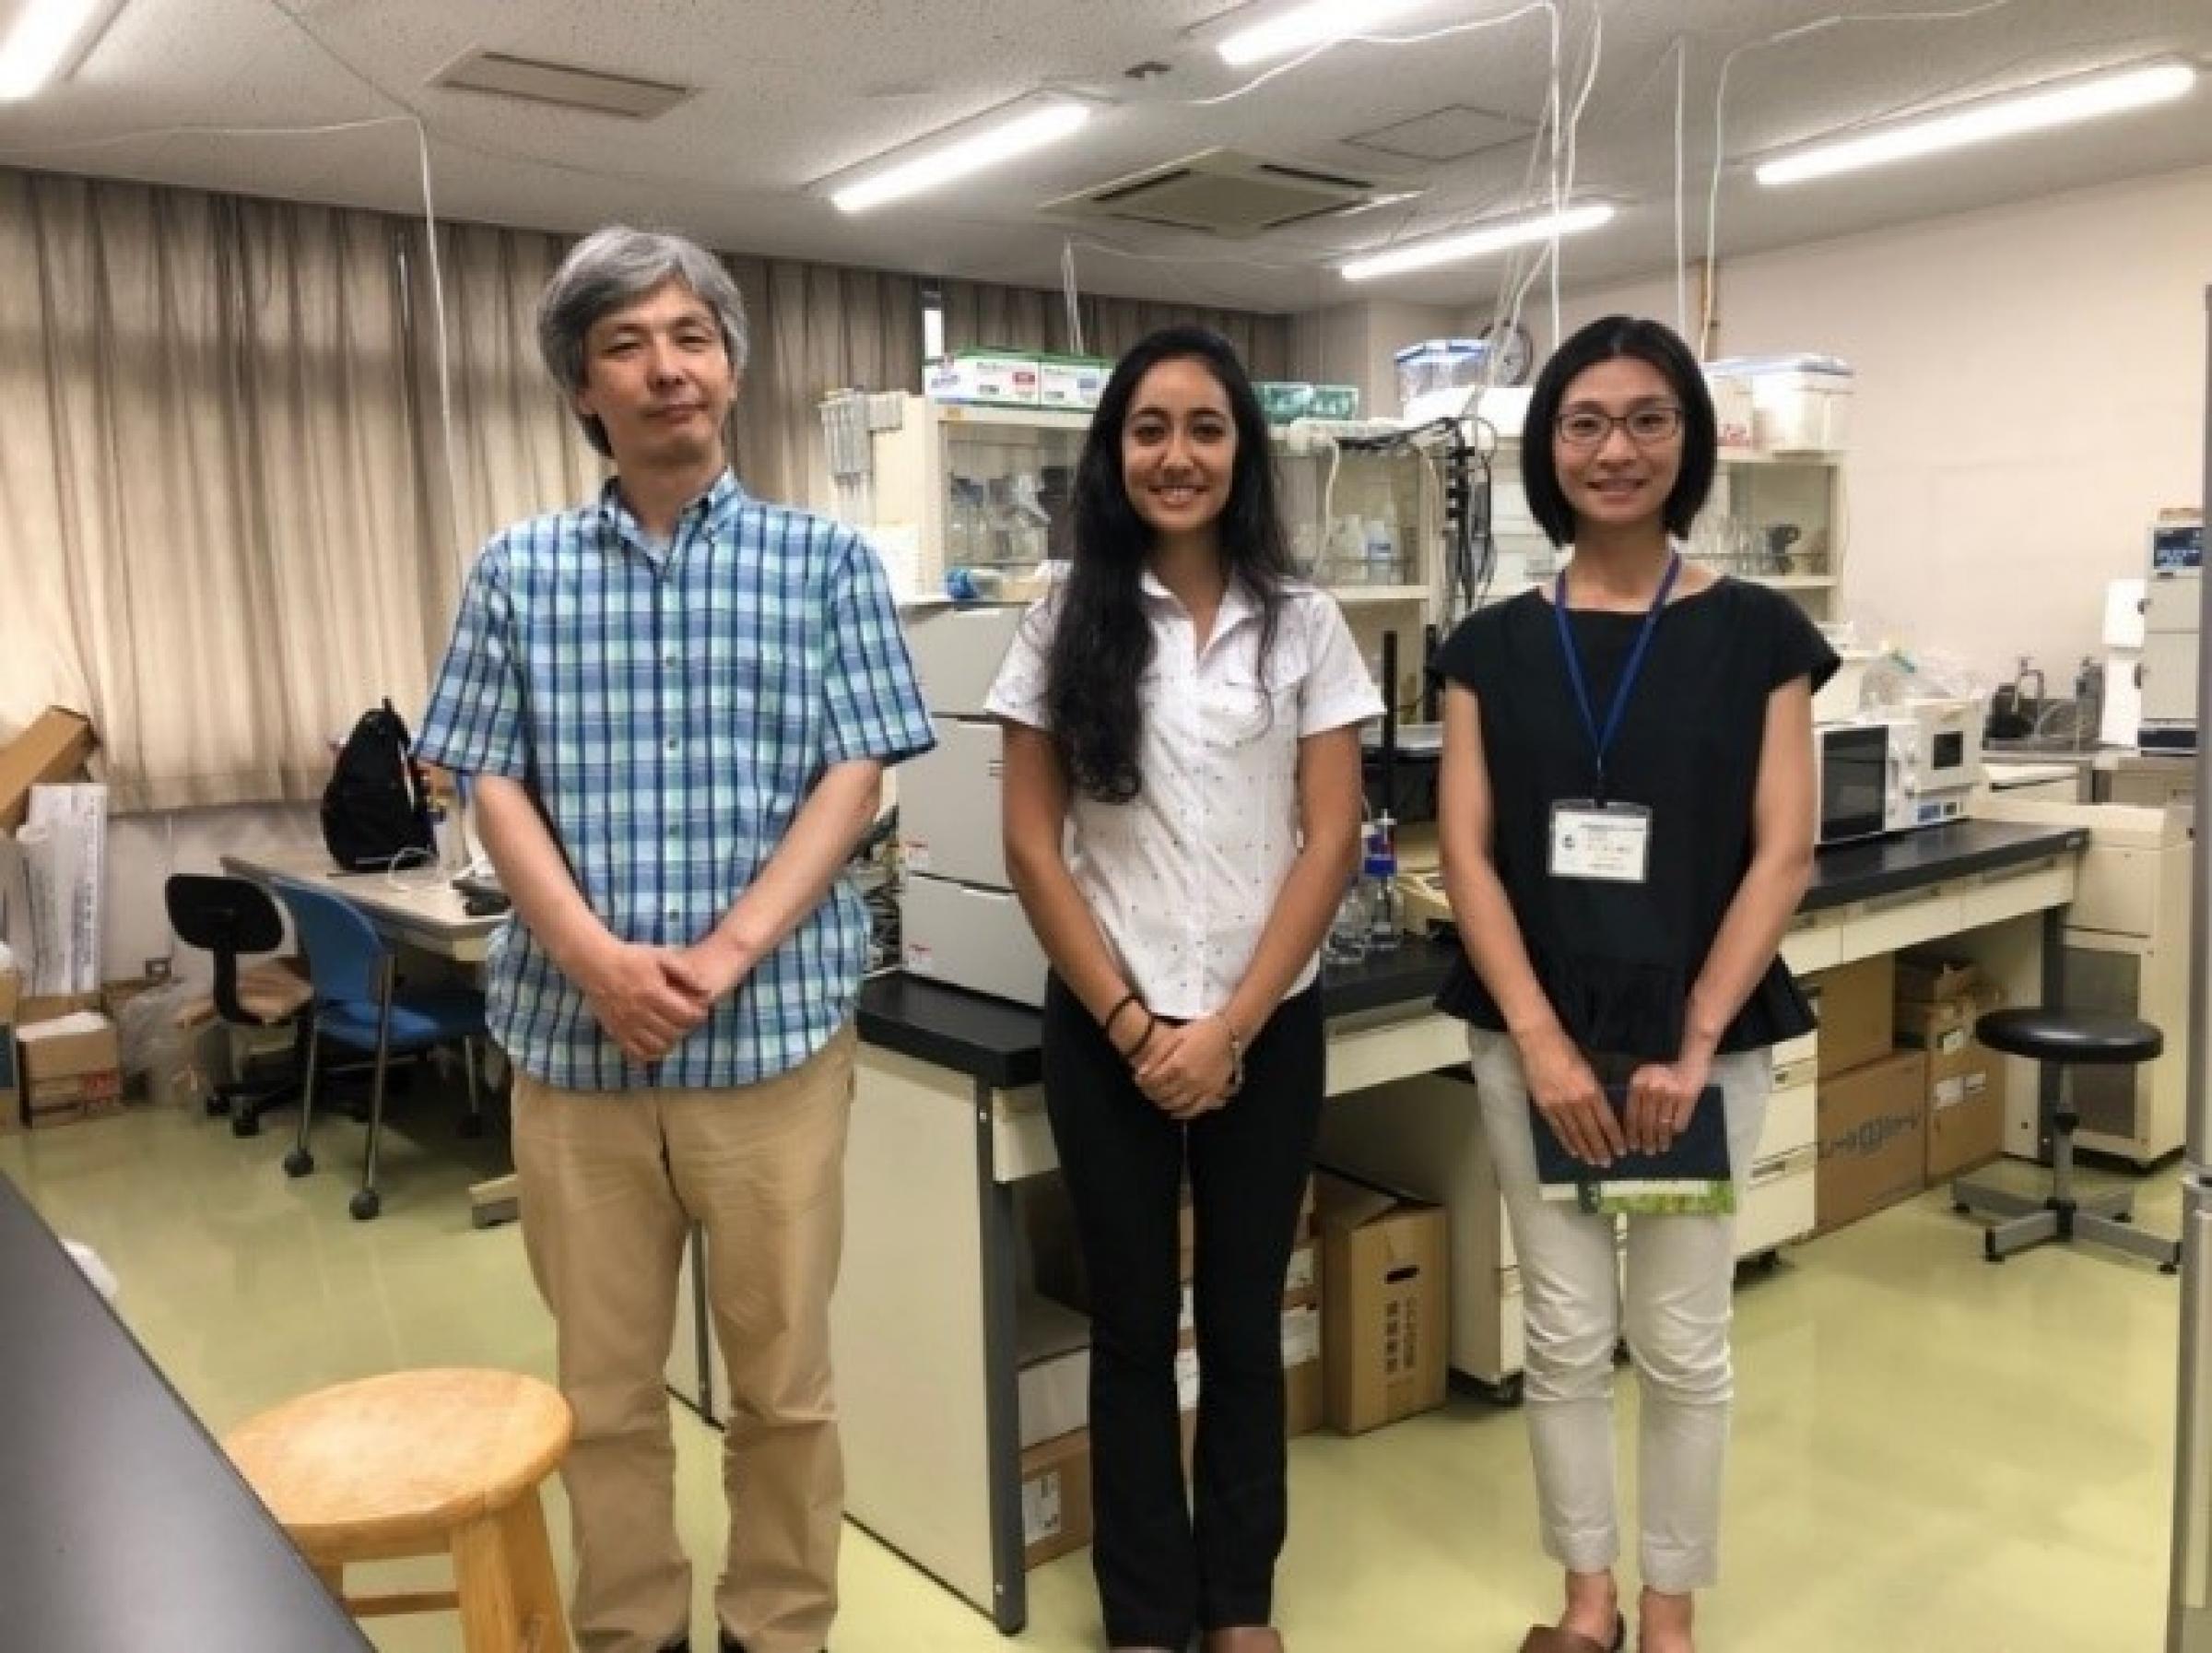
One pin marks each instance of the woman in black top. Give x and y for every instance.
(1627, 821)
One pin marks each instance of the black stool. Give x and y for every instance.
(2069, 1039)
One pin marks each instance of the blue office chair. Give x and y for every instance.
(359, 1005)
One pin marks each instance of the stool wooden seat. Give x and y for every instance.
(424, 1463)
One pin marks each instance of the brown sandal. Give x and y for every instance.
(1550, 1638)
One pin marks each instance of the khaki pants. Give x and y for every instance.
(610, 1182)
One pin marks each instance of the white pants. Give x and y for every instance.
(1680, 1277)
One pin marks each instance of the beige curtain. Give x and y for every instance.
(207, 487)
(979, 313)
(816, 328)
(233, 512)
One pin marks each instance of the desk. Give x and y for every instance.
(122, 1523)
(948, 1120)
(416, 907)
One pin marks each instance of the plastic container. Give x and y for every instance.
(1799, 404)
(1283, 400)
(1347, 939)
(1001, 376)
(1334, 401)
(1379, 882)
(1439, 364)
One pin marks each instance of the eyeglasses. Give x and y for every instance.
(1647, 427)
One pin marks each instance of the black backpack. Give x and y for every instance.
(375, 811)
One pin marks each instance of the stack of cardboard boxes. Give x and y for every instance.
(1938, 1001)
(1907, 1096)
(1873, 1097)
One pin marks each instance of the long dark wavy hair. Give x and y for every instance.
(1102, 642)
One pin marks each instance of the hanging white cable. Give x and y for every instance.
(1575, 128)
(1720, 99)
(460, 551)
(1681, 256)
(1067, 282)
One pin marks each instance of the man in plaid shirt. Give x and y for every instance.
(676, 702)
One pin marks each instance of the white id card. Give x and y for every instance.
(1609, 844)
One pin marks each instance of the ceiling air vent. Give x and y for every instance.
(563, 86)
(1223, 193)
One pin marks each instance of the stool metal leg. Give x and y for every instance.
(2022, 1221)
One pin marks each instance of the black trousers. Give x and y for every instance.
(1171, 1565)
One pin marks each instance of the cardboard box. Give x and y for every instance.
(1052, 1363)
(1386, 1334)
(1966, 1081)
(66, 1046)
(52, 1007)
(1305, 1389)
(1927, 977)
(53, 748)
(1872, 1123)
(1055, 1498)
(77, 1096)
(1855, 1004)
(1304, 1399)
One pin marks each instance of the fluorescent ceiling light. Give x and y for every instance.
(2033, 111)
(40, 44)
(1450, 249)
(1314, 24)
(987, 147)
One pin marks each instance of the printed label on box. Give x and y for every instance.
(1041, 1507)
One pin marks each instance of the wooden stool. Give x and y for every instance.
(424, 1463)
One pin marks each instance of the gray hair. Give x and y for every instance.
(614, 267)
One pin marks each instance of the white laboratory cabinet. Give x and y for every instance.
(991, 490)
(2127, 941)
(1775, 517)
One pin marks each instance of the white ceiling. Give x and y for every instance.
(793, 92)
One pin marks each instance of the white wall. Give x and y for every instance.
(2031, 392)
(1353, 344)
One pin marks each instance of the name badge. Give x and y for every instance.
(1608, 843)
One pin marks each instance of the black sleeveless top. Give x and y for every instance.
(1618, 961)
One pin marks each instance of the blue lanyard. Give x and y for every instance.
(1601, 741)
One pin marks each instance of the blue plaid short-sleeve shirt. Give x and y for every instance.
(672, 706)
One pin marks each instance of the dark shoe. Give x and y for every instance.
(1546, 1638)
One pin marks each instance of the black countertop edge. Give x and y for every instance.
(1849, 872)
(997, 1042)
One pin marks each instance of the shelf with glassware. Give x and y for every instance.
(942, 487)
(1775, 518)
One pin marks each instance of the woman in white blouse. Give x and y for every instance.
(1182, 818)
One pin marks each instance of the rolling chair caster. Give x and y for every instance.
(365, 1205)
(245, 1124)
(299, 1163)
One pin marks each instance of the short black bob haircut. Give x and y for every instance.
(1608, 340)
